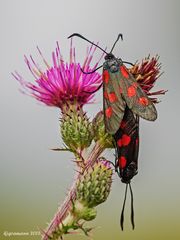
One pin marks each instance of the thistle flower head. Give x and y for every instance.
(146, 73)
(62, 82)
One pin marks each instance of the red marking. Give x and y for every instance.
(108, 112)
(137, 141)
(120, 90)
(112, 97)
(124, 71)
(131, 91)
(106, 76)
(119, 142)
(122, 162)
(143, 101)
(125, 140)
(123, 124)
(106, 95)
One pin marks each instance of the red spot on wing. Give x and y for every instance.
(120, 90)
(112, 97)
(124, 71)
(106, 95)
(108, 112)
(143, 101)
(131, 91)
(119, 142)
(125, 139)
(106, 76)
(122, 162)
(137, 141)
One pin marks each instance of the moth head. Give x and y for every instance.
(109, 56)
(111, 63)
(128, 173)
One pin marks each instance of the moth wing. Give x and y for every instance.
(135, 97)
(113, 102)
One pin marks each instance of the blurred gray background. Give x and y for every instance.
(33, 179)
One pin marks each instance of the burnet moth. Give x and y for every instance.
(120, 88)
(123, 103)
(127, 149)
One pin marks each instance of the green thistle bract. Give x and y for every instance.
(100, 135)
(76, 129)
(94, 185)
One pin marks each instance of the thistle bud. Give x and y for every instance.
(100, 134)
(94, 185)
(76, 129)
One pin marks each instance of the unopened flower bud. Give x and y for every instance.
(94, 185)
(76, 129)
(100, 134)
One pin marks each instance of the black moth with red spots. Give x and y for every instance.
(127, 150)
(127, 146)
(120, 88)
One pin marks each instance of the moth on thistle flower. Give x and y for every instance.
(127, 150)
(120, 88)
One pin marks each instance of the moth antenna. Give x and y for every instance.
(119, 36)
(132, 207)
(79, 35)
(122, 212)
(129, 63)
(91, 71)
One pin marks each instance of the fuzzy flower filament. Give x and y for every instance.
(62, 83)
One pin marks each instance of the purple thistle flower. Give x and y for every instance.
(62, 83)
